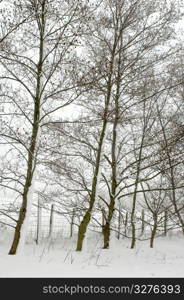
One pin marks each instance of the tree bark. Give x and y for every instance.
(51, 221)
(31, 165)
(153, 231)
(142, 221)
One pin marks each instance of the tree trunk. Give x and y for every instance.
(119, 222)
(103, 218)
(153, 231)
(87, 217)
(133, 241)
(72, 223)
(82, 229)
(23, 209)
(165, 223)
(125, 224)
(106, 228)
(32, 151)
(143, 224)
(112, 195)
(51, 221)
(39, 213)
(17, 231)
(135, 191)
(106, 235)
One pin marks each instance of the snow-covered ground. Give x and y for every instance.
(59, 259)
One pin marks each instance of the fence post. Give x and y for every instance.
(39, 221)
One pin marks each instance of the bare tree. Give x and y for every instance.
(30, 70)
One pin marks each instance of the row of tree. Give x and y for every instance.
(118, 65)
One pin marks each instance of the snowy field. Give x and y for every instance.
(59, 259)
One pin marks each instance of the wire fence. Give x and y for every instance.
(39, 222)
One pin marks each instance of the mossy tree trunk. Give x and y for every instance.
(32, 151)
(87, 217)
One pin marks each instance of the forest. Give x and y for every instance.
(91, 120)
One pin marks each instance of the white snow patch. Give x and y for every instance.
(61, 260)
